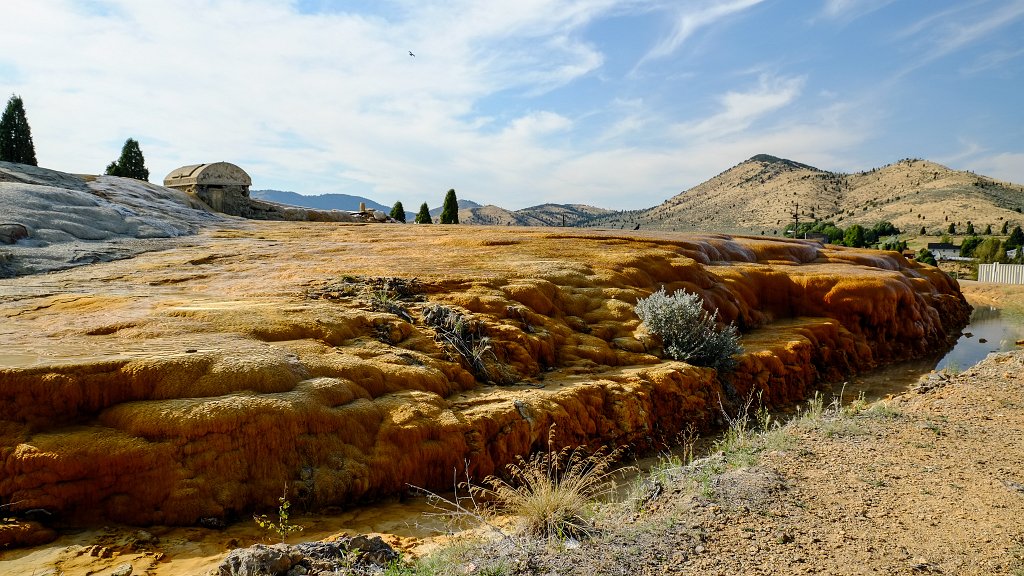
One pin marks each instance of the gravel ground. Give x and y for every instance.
(928, 482)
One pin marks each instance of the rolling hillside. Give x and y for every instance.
(322, 201)
(764, 193)
(541, 215)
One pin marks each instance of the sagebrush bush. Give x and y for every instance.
(689, 333)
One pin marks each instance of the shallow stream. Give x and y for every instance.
(989, 331)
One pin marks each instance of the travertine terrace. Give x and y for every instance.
(195, 382)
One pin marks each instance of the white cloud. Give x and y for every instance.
(851, 9)
(689, 19)
(741, 109)
(1008, 166)
(953, 30)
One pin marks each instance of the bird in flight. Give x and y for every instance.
(411, 54)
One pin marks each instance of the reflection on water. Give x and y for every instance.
(988, 331)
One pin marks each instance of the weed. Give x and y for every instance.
(552, 492)
(882, 410)
(463, 335)
(283, 526)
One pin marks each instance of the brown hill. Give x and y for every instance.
(541, 215)
(762, 195)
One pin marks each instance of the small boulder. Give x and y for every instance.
(258, 560)
(11, 233)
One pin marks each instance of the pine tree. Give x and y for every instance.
(16, 135)
(1006, 227)
(131, 164)
(1016, 239)
(970, 228)
(423, 217)
(398, 212)
(988, 230)
(450, 211)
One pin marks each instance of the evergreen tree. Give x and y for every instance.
(952, 228)
(1016, 239)
(15, 134)
(1006, 227)
(988, 230)
(924, 231)
(423, 217)
(450, 211)
(970, 228)
(398, 212)
(131, 164)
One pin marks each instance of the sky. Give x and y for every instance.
(617, 104)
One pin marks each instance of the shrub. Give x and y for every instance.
(688, 332)
(553, 492)
(460, 333)
(282, 526)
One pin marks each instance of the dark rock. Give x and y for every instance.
(11, 233)
(213, 523)
(259, 560)
(308, 558)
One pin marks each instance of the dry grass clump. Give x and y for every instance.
(553, 493)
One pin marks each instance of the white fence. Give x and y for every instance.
(1001, 273)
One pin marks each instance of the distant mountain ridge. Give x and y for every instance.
(322, 201)
(762, 195)
(765, 193)
(540, 215)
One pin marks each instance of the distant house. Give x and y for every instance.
(945, 251)
(222, 185)
(818, 236)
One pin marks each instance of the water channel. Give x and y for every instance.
(989, 331)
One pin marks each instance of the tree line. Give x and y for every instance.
(16, 144)
(449, 211)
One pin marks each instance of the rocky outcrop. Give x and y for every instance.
(358, 555)
(194, 383)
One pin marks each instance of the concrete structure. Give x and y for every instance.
(222, 185)
(1001, 273)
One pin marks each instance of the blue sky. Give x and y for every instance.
(619, 104)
